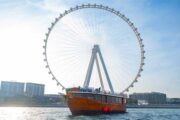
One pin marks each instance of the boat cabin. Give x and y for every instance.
(97, 95)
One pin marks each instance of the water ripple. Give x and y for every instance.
(30, 113)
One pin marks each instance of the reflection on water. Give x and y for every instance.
(35, 113)
(12, 113)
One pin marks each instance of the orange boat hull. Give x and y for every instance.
(85, 106)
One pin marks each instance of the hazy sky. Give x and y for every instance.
(23, 24)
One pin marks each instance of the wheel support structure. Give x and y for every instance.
(96, 51)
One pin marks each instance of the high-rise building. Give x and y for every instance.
(33, 89)
(151, 98)
(9, 88)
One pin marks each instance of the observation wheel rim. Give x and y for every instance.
(111, 10)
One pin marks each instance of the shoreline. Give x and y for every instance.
(165, 106)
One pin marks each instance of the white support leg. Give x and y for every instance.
(99, 73)
(90, 67)
(105, 70)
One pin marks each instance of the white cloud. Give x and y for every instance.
(53, 6)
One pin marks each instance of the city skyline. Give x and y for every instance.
(10, 89)
(24, 23)
(29, 83)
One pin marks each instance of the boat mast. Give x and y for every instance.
(96, 50)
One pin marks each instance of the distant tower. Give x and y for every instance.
(33, 89)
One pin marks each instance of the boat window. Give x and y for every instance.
(117, 100)
(123, 100)
(98, 97)
(120, 100)
(76, 95)
(90, 96)
(103, 98)
(84, 95)
(113, 99)
(109, 99)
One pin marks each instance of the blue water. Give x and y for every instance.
(28, 113)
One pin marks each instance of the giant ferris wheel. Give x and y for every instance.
(89, 34)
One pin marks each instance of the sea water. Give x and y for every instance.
(43, 113)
